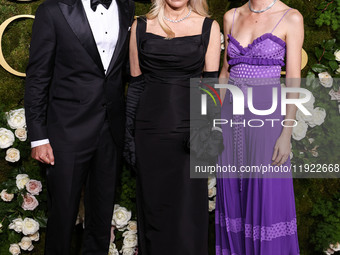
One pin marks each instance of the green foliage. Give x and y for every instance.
(324, 54)
(126, 191)
(322, 135)
(328, 14)
(327, 213)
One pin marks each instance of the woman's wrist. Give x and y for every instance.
(287, 132)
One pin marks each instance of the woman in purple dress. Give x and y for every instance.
(256, 215)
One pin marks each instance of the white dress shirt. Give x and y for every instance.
(104, 24)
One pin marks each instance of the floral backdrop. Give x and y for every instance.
(315, 140)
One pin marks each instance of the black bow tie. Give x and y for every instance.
(105, 3)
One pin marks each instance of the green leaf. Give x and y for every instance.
(329, 55)
(315, 83)
(329, 44)
(319, 68)
(42, 221)
(310, 78)
(333, 64)
(318, 52)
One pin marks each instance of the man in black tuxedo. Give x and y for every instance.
(74, 102)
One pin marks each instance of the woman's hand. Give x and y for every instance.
(281, 150)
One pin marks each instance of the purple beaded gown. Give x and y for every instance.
(254, 216)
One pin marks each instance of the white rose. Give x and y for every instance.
(130, 239)
(337, 55)
(12, 155)
(6, 138)
(211, 182)
(14, 249)
(212, 205)
(291, 155)
(6, 196)
(113, 250)
(318, 117)
(128, 250)
(310, 104)
(132, 226)
(335, 247)
(338, 70)
(21, 134)
(16, 118)
(300, 130)
(300, 116)
(335, 95)
(329, 251)
(16, 225)
(222, 41)
(121, 217)
(326, 79)
(21, 180)
(0, 225)
(315, 153)
(26, 244)
(35, 237)
(29, 226)
(212, 192)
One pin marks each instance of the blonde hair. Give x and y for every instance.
(157, 11)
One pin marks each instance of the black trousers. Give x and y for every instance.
(96, 166)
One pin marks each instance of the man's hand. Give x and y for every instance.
(43, 153)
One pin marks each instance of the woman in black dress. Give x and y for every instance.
(175, 42)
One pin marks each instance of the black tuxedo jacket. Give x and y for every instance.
(68, 95)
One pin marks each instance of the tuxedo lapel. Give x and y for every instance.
(75, 15)
(124, 18)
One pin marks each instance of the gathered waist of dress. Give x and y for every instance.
(248, 71)
(267, 81)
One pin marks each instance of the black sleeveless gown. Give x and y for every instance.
(172, 208)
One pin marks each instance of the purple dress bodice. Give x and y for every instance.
(263, 58)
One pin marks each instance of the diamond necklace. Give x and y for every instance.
(263, 10)
(179, 20)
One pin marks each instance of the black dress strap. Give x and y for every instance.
(207, 23)
(141, 29)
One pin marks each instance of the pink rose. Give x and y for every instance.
(30, 202)
(34, 187)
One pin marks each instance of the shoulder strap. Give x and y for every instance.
(141, 28)
(206, 28)
(232, 25)
(281, 19)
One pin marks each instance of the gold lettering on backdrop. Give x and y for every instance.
(3, 26)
